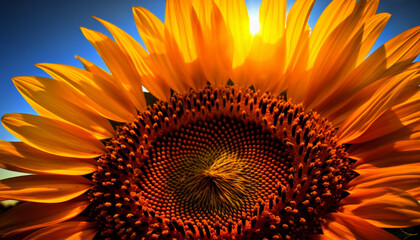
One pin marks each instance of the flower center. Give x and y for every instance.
(220, 163)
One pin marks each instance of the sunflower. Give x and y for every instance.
(291, 133)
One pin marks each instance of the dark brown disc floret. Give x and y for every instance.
(220, 164)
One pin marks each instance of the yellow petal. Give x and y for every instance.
(119, 65)
(337, 10)
(272, 18)
(263, 67)
(398, 117)
(178, 22)
(107, 99)
(137, 55)
(189, 74)
(53, 136)
(327, 98)
(90, 67)
(296, 24)
(44, 188)
(371, 6)
(236, 16)
(214, 47)
(383, 207)
(55, 99)
(17, 156)
(392, 58)
(403, 48)
(152, 32)
(385, 97)
(372, 30)
(71, 230)
(28, 216)
(181, 49)
(339, 52)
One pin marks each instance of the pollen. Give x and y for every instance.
(224, 163)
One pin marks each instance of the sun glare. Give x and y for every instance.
(254, 24)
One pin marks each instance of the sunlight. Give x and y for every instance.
(254, 23)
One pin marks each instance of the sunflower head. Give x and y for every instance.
(285, 132)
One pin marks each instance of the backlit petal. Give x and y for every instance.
(71, 230)
(90, 67)
(353, 46)
(395, 119)
(385, 97)
(17, 156)
(272, 18)
(55, 99)
(178, 22)
(297, 19)
(137, 55)
(383, 207)
(27, 216)
(152, 32)
(119, 65)
(53, 136)
(392, 154)
(102, 95)
(236, 16)
(215, 47)
(344, 226)
(388, 60)
(44, 188)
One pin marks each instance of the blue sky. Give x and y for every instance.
(48, 31)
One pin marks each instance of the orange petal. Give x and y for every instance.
(214, 47)
(344, 226)
(264, 66)
(408, 183)
(297, 49)
(53, 136)
(44, 188)
(354, 45)
(383, 207)
(189, 74)
(90, 67)
(337, 10)
(101, 95)
(71, 230)
(394, 119)
(372, 30)
(152, 32)
(393, 154)
(403, 176)
(297, 19)
(181, 49)
(236, 17)
(177, 20)
(17, 156)
(119, 65)
(390, 59)
(55, 99)
(27, 216)
(136, 54)
(385, 97)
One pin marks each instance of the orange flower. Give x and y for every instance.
(215, 150)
